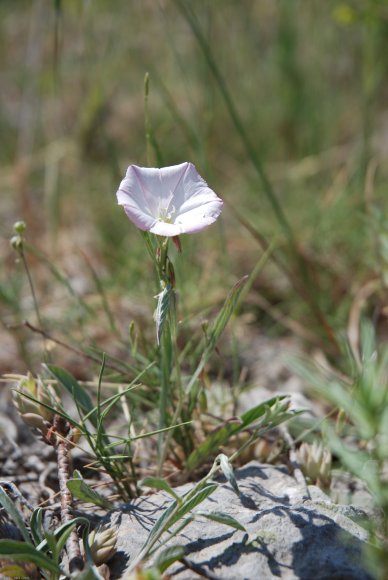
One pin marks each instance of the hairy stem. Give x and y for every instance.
(63, 459)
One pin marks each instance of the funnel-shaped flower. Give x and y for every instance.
(169, 201)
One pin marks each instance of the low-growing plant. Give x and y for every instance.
(40, 552)
(163, 203)
(359, 436)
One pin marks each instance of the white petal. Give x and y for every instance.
(191, 186)
(199, 217)
(150, 195)
(164, 229)
(139, 218)
(155, 186)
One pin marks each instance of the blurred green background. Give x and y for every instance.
(282, 98)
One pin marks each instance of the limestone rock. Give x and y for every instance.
(294, 532)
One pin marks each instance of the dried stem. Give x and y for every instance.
(69, 347)
(63, 446)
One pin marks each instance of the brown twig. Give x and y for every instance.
(62, 446)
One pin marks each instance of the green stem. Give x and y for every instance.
(165, 392)
(172, 325)
(30, 282)
(166, 354)
(34, 298)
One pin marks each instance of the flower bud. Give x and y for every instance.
(102, 542)
(40, 393)
(177, 243)
(19, 227)
(16, 243)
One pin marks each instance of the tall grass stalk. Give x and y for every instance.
(188, 14)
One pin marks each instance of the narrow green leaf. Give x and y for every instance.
(36, 525)
(158, 483)
(79, 394)
(51, 545)
(86, 544)
(108, 403)
(196, 499)
(14, 514)
(81, 490)
(221, 435)
(62, 538)
(150, 244)
(160, 526)
(174, 513)
(23, 552)
(178, 528)
(168, 557)
(225, 313)
(218, 328)
(59, 532)
(221, 518)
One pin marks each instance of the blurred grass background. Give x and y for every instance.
(308, 83)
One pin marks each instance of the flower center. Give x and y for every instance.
(167, 211)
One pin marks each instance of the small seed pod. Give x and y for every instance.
(102, 542)
(16, 242)
(34, 420)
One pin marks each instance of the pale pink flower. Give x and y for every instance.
(169, 201)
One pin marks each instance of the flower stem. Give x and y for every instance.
(33, 294)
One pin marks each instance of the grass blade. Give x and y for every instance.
(218, 328)
(79, 394)
(36, 525)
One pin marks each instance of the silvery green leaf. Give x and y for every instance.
(168, 557)
(228, 472)
(158, 483)
(80, 489)
(221, 518)
(162, 309)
